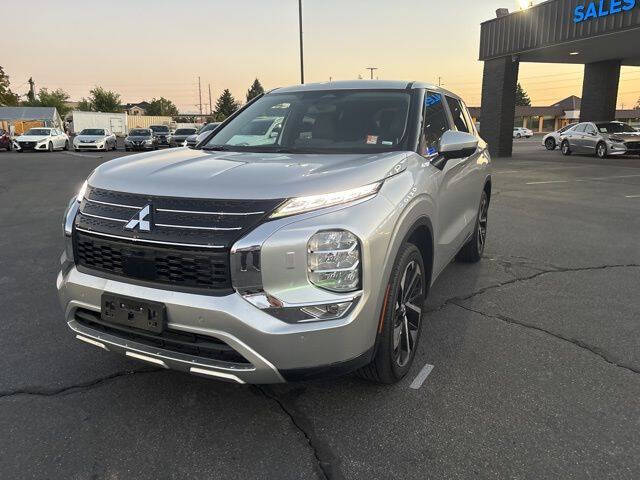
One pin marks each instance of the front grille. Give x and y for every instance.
(27, 144)
(173, 340)
(205, 223)
(187, 245)
(181, 267)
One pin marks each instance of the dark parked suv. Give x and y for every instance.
(161, 133)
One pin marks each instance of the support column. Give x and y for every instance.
(600, 91)
(499, 104)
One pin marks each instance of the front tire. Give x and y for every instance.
(566, 148)
(402, 319)
(472, 251)
(601, 150)
(550, 143)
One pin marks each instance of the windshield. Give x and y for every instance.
(38, 131)
(159, 129)
(615, 127)
(92, 131)
(344, 121)
(139, 133)
(185, 131)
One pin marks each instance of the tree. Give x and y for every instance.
(57, 99)
(101, 100)
(162, 107)
(255, 90)
(225, 105)
(522, 99)
(7, 97)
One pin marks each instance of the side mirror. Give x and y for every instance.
(454, 144)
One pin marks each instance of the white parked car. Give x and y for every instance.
(552, 140)
(95, 139)
(521, 132)
(42, 139)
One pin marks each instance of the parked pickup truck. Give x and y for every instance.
(299, 240)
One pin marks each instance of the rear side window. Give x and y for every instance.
(435, 123)
(460, 117)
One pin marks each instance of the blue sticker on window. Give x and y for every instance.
(431, 100)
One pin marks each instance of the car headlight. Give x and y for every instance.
(297, 205)
(333, 261)
(149, 140)
(616, 140)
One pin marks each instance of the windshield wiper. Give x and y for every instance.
(216, 148)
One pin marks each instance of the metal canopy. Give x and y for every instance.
(548, 33)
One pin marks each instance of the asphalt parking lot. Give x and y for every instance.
(535, 354)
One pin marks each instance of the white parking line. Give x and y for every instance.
(550, 181)
(82, 155)
(422, 376)
(585, 179)
(632, 196)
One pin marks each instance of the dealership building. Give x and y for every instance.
(602, 35)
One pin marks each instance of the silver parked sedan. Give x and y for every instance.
(552, 140)
(601, 139)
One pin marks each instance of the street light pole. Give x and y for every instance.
(301, 44)
(373, 69)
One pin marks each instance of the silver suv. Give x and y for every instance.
(300, 241)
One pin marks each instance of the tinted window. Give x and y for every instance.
(567, 128)
(93, 131)
(435, 123)
(139, 133)
(185, 131)
(159, 129)
(589, 129)
(460, 120)
(580, 128)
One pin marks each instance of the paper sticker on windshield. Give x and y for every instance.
(372, 139)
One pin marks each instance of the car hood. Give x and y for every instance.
(627, 137)
(92, 138)
(31, 138)
(183, 172)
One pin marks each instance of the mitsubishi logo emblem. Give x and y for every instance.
(139, 221)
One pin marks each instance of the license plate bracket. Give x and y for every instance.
(133, 312)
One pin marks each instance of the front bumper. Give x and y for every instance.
(276, 350)
(90, 146)
(140, 147)
(617, 148)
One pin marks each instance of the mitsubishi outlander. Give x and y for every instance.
(300, 238)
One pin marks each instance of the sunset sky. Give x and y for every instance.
(144, 49)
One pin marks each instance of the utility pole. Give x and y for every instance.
(372, 69)
(440, 84)
(200, 95)
(301, 44)
(32, 90)
(210, 104)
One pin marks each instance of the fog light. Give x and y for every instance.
(333, 261)
(327, 312)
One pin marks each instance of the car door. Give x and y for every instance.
(574, 136)
(589, 138)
